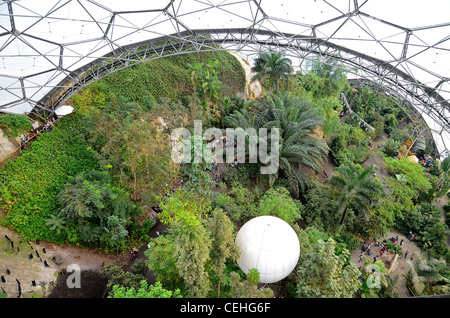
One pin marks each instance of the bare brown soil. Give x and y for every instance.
(35, 267)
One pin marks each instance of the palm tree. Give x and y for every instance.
(425, 275)
(298, 146)
(442, 185)
(272, 66)
(388, 287)
(355, 189)
(207, 84)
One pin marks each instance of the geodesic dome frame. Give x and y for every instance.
(51, 49)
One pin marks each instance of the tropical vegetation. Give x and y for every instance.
(105, 176)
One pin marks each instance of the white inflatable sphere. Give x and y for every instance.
(270, 245)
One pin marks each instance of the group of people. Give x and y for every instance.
(425, 161)
(369, 248)
(35, 132)
(217, 175)
(134, 254)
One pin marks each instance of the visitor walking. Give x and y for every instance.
(406, 253)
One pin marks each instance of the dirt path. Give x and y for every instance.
(402, 265)
(154, 232)
(35, 265)
(375, 157)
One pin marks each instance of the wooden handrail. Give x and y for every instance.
(353, 113)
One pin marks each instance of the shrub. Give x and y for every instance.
(149, 81)
(13, 124)
(425, 224)
(29, 185)
(391, 148)
(279, 203)
(338, 145)
(97, 208)
(242, 174)
(394, 247)
(390, 123)
(413, 173)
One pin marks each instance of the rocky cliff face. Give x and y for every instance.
(7, 146)
(254, 89)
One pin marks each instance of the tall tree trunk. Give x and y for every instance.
(343, 215)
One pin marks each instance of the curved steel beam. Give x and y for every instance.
(252, 40)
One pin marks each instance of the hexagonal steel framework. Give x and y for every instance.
(51, 49)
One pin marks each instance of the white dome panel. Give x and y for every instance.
(404, 43)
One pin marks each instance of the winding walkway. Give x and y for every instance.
(402, 265)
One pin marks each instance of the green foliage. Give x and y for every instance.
(278, 202)
(391, 148)
(116, 276)
(222, 233)
(324, 78)
(355, 188)
(193, 246)
(400, 136)
(146, 82)
(390, 123)
(91, 100)
(412, 172)
(248, 288)
(323, 273)
(428, 276)
(350, 145)
(162, 258)
(320, 209)
(99, 209)
(144, 291)
(310, 236)
(425, 223)
(193, 169)
(185, 206)
(199, 242)
(193, 255)
(394, 248)
(56, 223)
(13, 125)
(441, 186)
(376, 282)
(385, 213)
(338, 145)
(233, 103)
(378, 110)
(243, 174)
(271, 68)
(322, 85)
(29, 185)
(135, 150)
(299, 144)
(207, 85)
(239, 204)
